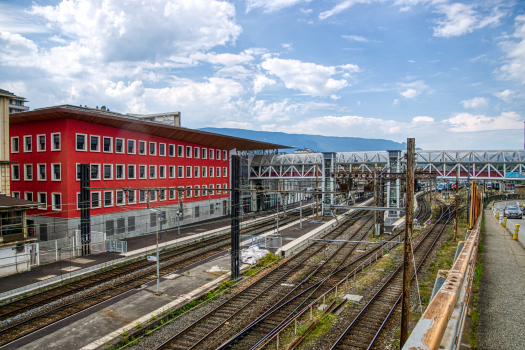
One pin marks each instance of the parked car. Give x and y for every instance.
(513, 211)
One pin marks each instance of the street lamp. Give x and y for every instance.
(179, 215)
(160, 217)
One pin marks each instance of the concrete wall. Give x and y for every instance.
(13, 261)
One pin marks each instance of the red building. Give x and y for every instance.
(123, 152)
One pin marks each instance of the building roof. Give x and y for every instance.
(18, 203)
(127, 122)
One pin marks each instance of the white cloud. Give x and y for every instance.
(423, 119)
(260, 82)
(413, 88)
(505, 95)
(226, 59)
(514, 69)
(287, 47)
(335, 97)
(355, 38)
(271, 5)
(410, 93)
(396, 102)
(466, 122)
(234, 125)
(411, 61)
(306, 11)
(476, 103)
(341, 7)
(309, 78)
(462, 19)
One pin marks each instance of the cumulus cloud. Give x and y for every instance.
(226, 59)
(462, 19)
(476, 103)
(260, 82)
(309, 78)
(506, 95)
(423, 119)
(514, 68)
(413, 88)
(410, 93)
(466, 122)
(269, 6)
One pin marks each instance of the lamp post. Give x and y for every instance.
(179, 214)
(160, 217)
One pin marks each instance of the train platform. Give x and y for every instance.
(502, 296)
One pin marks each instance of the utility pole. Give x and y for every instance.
(376, 203)
(235, 229)
(409, 222)
(179, 213)
(300, 208)
(457, 195)
(315, 193)
(85, 211)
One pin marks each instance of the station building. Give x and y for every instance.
(48, 145)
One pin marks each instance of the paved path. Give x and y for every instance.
(502, 294)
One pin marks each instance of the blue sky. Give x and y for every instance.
(451, 74)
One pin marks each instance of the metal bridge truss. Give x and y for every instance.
(482, 165)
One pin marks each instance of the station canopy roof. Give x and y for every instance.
(7, 202)
(127, 122)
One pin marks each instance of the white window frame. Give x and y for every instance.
(217, 154)
(170, 191)
(178, 172)
(25, 196)
(211, 189)
(190, 149)
(212, 153)
(42, 206)
(218, 188)
(224, 186)
(145, 148)
(12, 172)
(145, 196)
(134, 171)
(45, 172)
(112, 199)
(162, 155)
(179, 154)
(224, 171)
(98, 143)
(14, 193)
(100, 199)
(145, 172)
(123, 145)
(191, 172)
(160, 173)
(196, 172)
(24, 138)
(159, 195)
(174, 150)
(172, 167)
(76, 171)
(53, 149)
(110, 171)
(204, 154)
(196, 191)
(99, 171)
(155, 196)
(149, 171)
(212, 172)
(204, 171)
(123, 172)
(196, 152)
(224, 155)
(12, 144)
(85, 142)
(53, 204)
(53, 171)
(110, 144)
(189, 191)
(218, 171)
(78, 200)
(204, 190)
(134, 146)
(126, 197)
(154, 148)
(25, 172)
(38, 143)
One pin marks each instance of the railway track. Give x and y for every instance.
(210, 330)
(363, 331)
(26, 315)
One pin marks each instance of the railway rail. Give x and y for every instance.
(26, 315)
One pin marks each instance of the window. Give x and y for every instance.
(142, 147)
(171, 150)
(95, 199)
(152, 171)
(197, 194)
(196, 170)
(211, 171)
(162, 171)
(28, 196)
(212, 208)
(172, 171)
(108, 198)
(188, 172)
(162, 149)
(224, 155)
(42, 199)
(142, 196)
(152, 195)
(211, 153)
(56, 201)
(107, 144)
(131, 223)
(55, 141)
(119, 145)
(218, 155)
(131, 146)
(152, 148)
(15, 194)
(142, 172)
(204, 191)
(94, 143)
(119, 173)
(81, 142)
(108, 171)
(28, 172)
(196, 152)
(204, 171)
(180, 175)
(204, 153)
(224, 188)
(180, 151)
(197, 211)
(79, 171)
(56, 176)
(131, 197)
(153, 219)
(15, 148)
(218, 187)
(28, 144)
(95, 171)
(131, 171)
(41, 172)
(224, 171)
(162, 195)
(120, 198)
(218, 172)
(172, 194)
(78, 201)
(212, 192)
(188, 151)
(41, 139)
(188, 191)
(15, 172)
(121, 225)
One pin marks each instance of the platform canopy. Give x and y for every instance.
(130, 123)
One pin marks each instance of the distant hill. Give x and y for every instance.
(316, 142)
